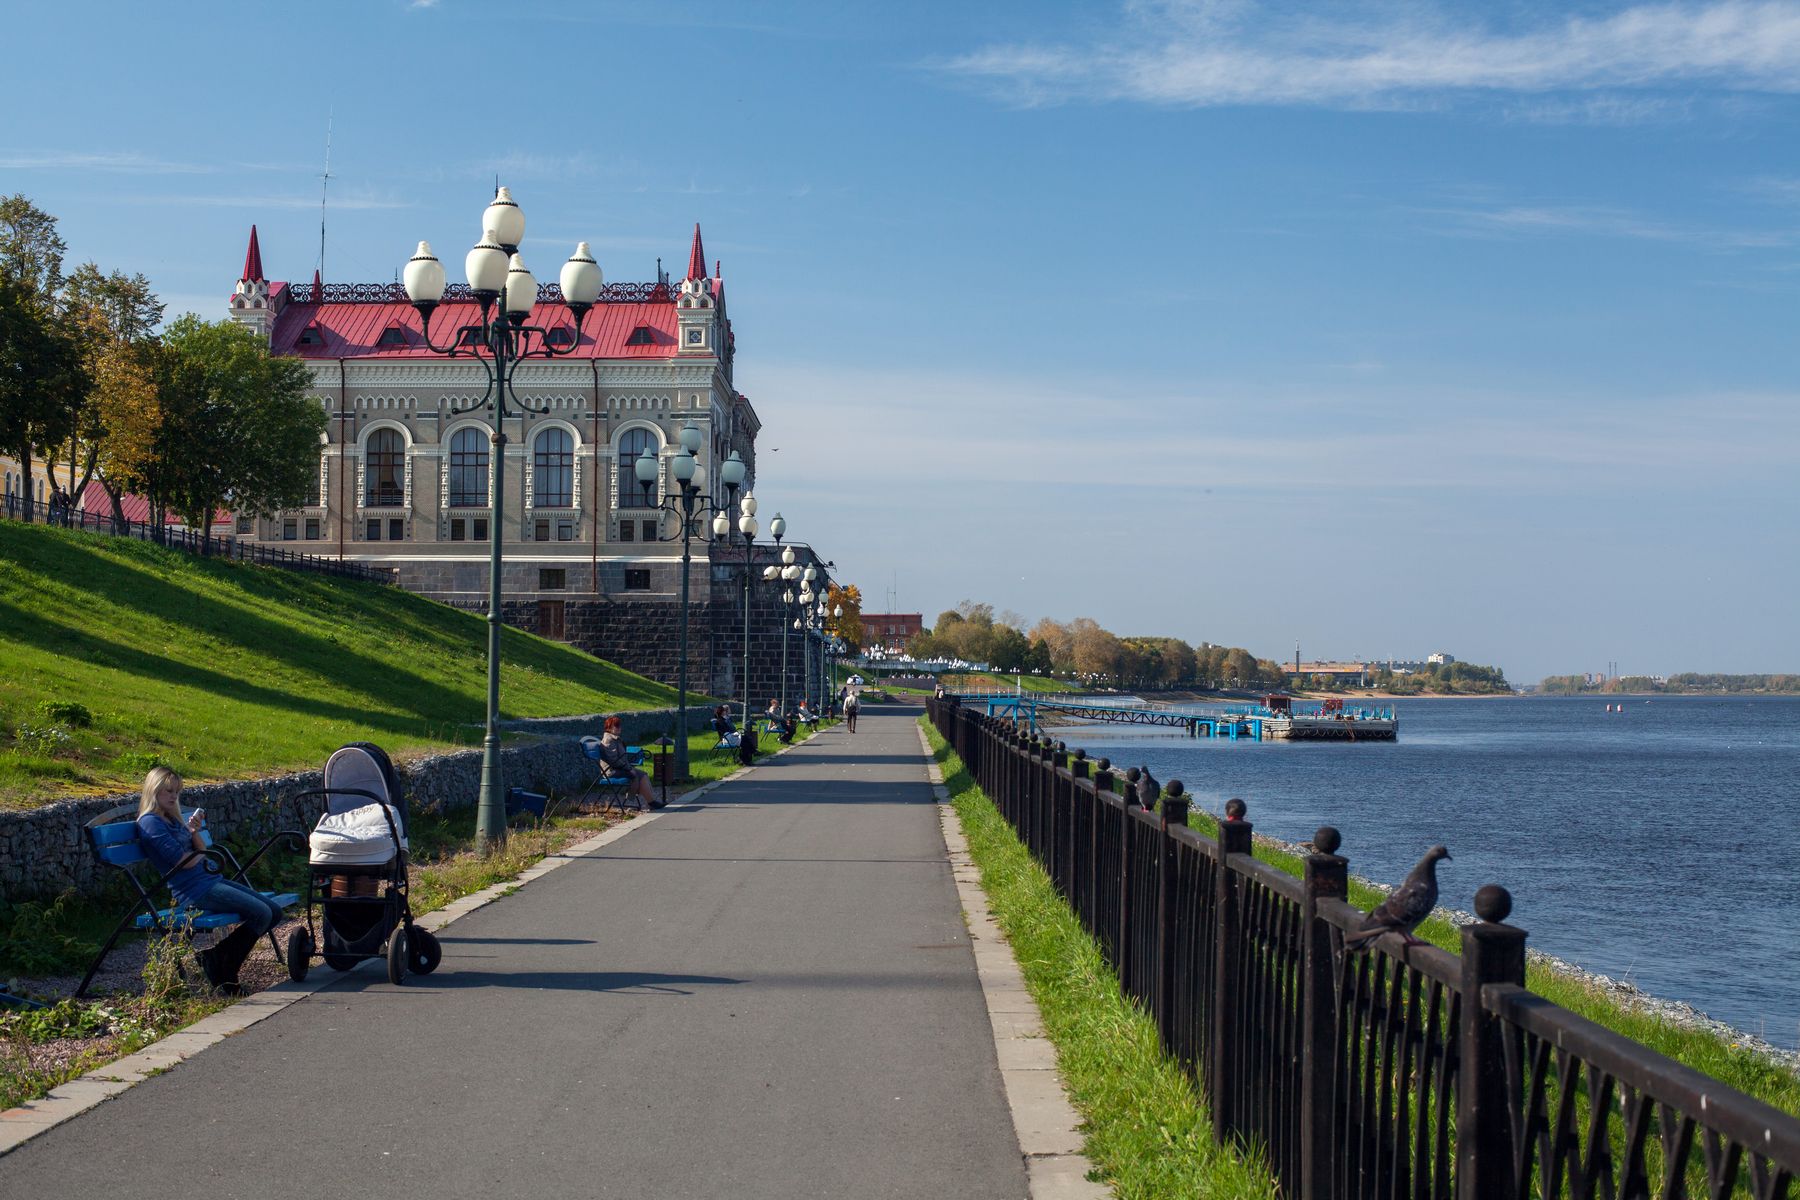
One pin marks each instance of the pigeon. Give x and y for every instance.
(1405, 906)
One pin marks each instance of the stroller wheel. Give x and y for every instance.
(299, 950)
(427, 952)
(396, 955)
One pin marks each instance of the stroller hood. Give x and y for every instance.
(362, 767)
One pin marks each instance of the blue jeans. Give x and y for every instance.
(257, 913)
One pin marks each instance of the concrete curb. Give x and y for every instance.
(1047, 1125)
(69, 1100)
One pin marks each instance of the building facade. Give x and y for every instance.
(410, 462)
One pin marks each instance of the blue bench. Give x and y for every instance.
(607, 788)
(113, 836)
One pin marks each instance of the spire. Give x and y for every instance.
(253, 271)
(697, 257)
(318, 287)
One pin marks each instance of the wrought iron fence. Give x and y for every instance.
(16, 507)
(548, 293)
(1386, 1072)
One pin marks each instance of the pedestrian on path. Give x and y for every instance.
(850, 706)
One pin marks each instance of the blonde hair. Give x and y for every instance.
(152, 784)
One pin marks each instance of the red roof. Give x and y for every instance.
(253, 270)
(135, 508)
(353, 330)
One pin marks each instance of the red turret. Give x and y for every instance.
(253, 272)
(318, 288)
(697, 257)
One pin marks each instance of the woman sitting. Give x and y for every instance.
(728, 733)
(171, 843)
(618, 764)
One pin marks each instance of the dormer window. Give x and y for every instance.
(562, 335)
(393, 335)
(643, 335)
(312, 335)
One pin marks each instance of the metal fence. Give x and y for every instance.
(16, 507)
(1386, 1072)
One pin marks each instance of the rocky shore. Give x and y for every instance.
(1678, 1013)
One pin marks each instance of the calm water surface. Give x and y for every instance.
(1659, 845)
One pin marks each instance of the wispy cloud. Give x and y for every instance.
(1503, 219)
(1197, 53)
(339, 200)
(121, 162)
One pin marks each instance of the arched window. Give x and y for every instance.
(553, 469)
(633, 443)
(385, 469)
(469, 469)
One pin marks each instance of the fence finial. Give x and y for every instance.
(1493, 903)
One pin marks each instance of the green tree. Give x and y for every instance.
(41, 375)
(237, 426)
(31, 250)
(117, 315)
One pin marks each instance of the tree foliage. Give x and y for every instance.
(849, 626)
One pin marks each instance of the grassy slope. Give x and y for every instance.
(224, 670)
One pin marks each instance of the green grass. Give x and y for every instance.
(1147, 1129)
(1042, 684)
(121, 655)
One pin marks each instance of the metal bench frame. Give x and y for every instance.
(611, 790)
(114, 842)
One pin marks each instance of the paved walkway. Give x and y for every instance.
(767, 993)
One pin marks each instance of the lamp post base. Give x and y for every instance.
(490, 809)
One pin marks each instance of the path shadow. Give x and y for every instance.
(449, 979)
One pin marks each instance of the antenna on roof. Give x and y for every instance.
(324, 187)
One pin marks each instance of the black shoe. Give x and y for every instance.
(658, 803)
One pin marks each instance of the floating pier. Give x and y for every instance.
(1275, 719)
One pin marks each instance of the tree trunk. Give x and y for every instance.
(206, 533)
(120, 524)
(25, 465)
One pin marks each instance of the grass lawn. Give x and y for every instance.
(121, 655)
(1042, 684)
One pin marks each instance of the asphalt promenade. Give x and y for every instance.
(769, 992)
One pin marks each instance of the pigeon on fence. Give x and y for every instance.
(1406, 906)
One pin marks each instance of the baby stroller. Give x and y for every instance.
(356, 884)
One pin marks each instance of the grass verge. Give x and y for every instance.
(1147, 1129)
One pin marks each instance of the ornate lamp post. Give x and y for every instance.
(687, 507)
(500, 341)
(746, 525)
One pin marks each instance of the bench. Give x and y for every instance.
(113, 836)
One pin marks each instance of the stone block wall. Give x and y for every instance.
(44, 851)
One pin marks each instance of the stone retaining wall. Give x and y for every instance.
(44, 851)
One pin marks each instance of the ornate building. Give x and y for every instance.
(404, 482)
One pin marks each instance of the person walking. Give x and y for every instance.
(851, 703)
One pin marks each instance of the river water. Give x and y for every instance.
(1659, 845)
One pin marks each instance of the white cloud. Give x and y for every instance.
(338, 202)
(122, 162)
(1195, 53)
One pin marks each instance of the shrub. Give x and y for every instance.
(66, 712)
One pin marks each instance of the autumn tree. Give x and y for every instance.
(117, 315)
(847, 624)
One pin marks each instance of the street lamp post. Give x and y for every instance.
(500, 341)
(746, 525)
(689, 508)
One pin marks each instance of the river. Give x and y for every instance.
(1659, 845)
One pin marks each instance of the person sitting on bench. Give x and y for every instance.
(728, 733)
(169, 843)
(618, 763)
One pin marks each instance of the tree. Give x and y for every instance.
(31, 251)
(41, 374)
(117, 315)
(237, 426)
(849, 626)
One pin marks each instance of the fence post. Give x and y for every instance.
(1234, 838)
(1174, 816)
(1127, 872)
(1491, 953)
(1325, 877)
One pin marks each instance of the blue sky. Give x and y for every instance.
(1383, 328)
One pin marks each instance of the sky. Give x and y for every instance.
(1379, 329)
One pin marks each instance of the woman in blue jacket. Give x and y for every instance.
(171, 843)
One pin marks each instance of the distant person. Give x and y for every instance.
(806, 715)
(618, 764)
(772, 714)
(728, 733)
(851, 704)
(172, 844)
(786, 727)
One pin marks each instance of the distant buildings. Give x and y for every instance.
(891, 632)
(1362, 674)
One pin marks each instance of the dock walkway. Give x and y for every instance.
(768, 992)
